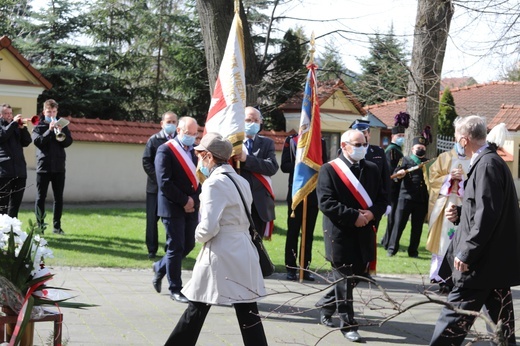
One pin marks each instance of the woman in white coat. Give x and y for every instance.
(227, 270)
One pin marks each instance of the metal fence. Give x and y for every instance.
(444, 143)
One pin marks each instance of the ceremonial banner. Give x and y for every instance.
(308, 158)
(227, 110)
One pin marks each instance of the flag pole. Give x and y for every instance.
(303, 265)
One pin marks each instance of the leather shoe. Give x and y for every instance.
(157, 279)
(308, 276)
(353, 336)
(326, 320)
(291, 275)
(179, 297)
(151, 255)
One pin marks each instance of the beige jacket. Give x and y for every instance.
(227, 270)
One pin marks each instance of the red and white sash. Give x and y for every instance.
(268, 185)
(352, 183)
(186, 162)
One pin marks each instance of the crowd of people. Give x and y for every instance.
(466, 196)
(50, 135)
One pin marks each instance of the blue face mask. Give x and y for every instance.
(170, 128)
(399, 141)
(203, 169)
(459, 149)
(252, 128)
(187, 140)
(48, 119)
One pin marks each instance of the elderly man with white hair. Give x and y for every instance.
(483, 258)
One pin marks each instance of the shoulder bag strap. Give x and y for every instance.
(252, 229)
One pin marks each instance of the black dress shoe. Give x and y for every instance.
(326, 320)
(444, 288)
(353, 336)
(308, 276)
(179, 297)
(151, 255)
(157, 280)
(291, 275)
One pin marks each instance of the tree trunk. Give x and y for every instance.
(215, 18)
(430, 37)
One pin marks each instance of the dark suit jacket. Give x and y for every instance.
(377, 155)
(488, 235)
(50, 154)
(262, 161)
(345, 243)
(288, 162)
(413, 185)
(393, 156)
(149, 159)
(174, 185)
(12, 141)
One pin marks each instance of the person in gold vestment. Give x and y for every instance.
(447, 175)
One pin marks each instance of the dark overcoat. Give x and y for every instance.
(12, 141)
(346, 244)
(488, 235)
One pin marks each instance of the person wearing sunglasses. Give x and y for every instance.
(351, 197)
(413, 199)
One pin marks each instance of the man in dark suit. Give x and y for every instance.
(178, 204)
(351, 197)
(50, 140)
(483, 258)
(294, 224)
(413, 199)
(394, 154)
(374, 154)
(14, 136)
(257, 165)
(169, 127)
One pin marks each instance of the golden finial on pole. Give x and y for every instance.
(312, 49)
(237, 6)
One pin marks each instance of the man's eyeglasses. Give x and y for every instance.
(358, 145)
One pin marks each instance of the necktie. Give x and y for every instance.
(249, 145)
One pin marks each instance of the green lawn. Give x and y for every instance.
(114, 237)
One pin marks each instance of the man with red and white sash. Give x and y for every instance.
(351, 196)
(177, 204)
(257, 165)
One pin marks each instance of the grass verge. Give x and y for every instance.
(113, 237)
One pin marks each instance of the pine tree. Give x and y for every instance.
(384, 75)
(447, 114)
(330, 65)
(286, 78)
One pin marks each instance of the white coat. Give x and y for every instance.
(227, 270)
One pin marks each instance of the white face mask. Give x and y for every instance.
(358, 153)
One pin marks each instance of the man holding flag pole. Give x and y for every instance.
(308, 160)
